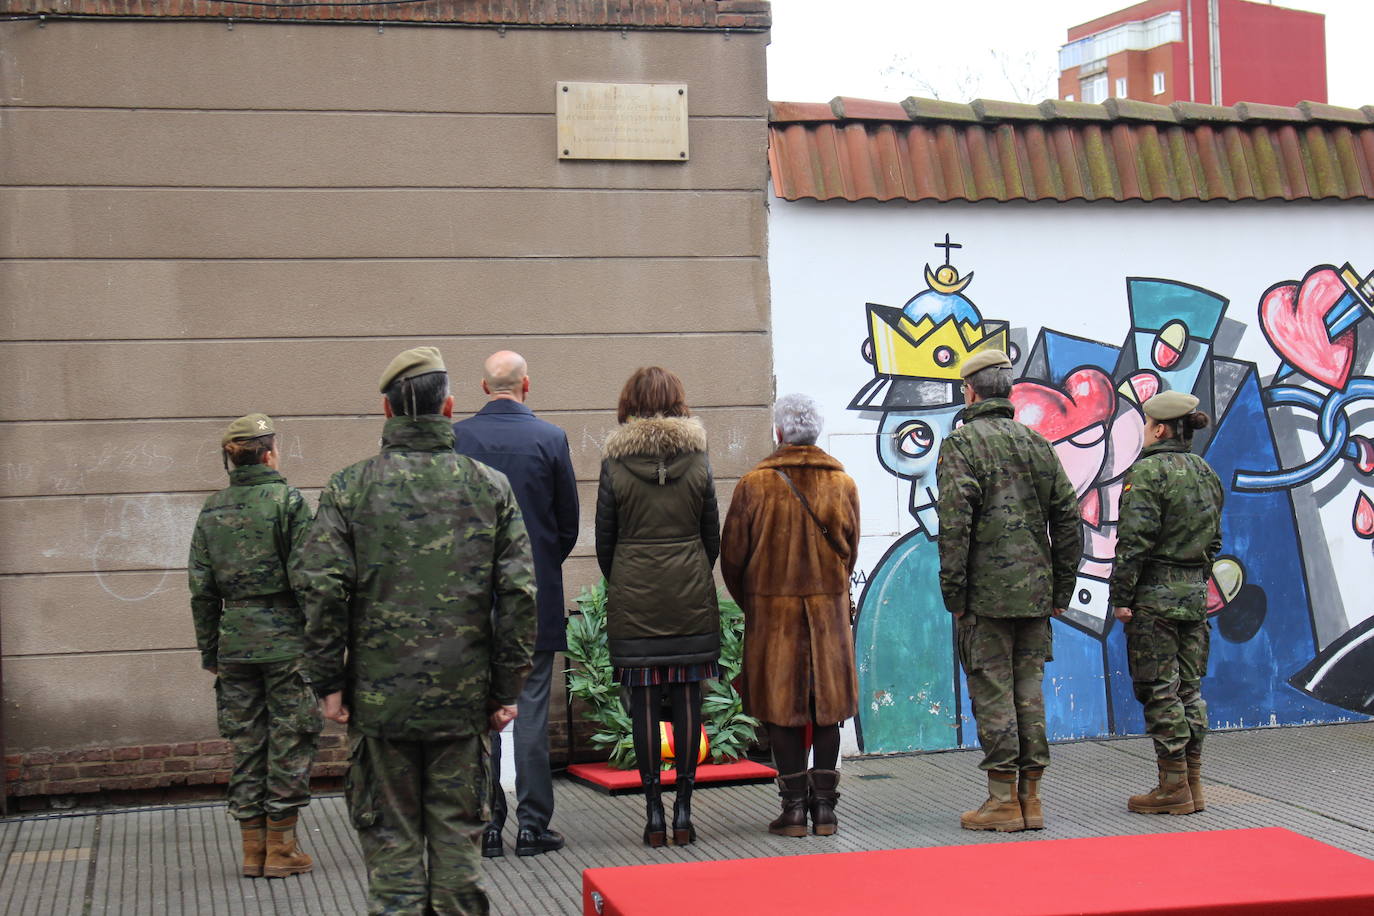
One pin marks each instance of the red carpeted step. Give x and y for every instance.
(1273, 872)
(617, 782)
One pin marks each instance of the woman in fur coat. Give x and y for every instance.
(790, 541)
(657, 538)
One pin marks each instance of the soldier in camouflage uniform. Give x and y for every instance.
(1009, 547)
(1169, 532)
(250, 632)
(418, 584)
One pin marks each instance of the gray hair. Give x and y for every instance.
(798, 419)
(992, 382)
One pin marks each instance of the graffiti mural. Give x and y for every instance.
(1290, 440)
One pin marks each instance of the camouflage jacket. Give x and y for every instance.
(1169, 532)
(241, 599)
(418, 586)
(1009, 528)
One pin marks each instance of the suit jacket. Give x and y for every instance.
(534, 456)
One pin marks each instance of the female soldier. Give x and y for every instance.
(251, 634)
(657, 537)
(1169, 532)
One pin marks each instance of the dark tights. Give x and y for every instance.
(686, 703)
(789, 747)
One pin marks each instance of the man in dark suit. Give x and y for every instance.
(533, 454)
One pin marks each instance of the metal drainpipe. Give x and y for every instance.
(1188, 24)
(1214, 29)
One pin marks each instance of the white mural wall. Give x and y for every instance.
(1263, 310)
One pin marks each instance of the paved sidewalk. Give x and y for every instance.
(182, 860)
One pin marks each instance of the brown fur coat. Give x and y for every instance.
(793, 587)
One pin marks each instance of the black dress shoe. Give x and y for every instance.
(491, 843)
(532, 842)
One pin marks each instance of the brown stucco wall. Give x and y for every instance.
(198, 221)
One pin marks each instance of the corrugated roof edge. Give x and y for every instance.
(933, 150)
(913, 108)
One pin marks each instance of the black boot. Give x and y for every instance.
(655, 830)
(683, 831)
(491, 834)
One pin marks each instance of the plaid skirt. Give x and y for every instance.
(667, 674)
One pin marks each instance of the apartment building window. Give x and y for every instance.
(1094, 89)
(1120, 87)
(1159, 82)
(1068, 97)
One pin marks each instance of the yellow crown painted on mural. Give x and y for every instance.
(924, 349)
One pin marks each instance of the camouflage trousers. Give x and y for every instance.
(1004, 660)
(417, 800)
(270, 716)
(1168, 659)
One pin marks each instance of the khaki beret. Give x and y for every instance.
(418, 361)
(1170, 405)
(984, 359)
(249, 427)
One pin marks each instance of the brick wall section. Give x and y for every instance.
(143, 768)
(750, 15)
(149, 766)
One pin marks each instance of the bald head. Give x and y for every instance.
(505, 375)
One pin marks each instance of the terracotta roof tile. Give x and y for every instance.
(925, 149)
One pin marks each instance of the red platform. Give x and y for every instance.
(1272, 871)
(620, 782)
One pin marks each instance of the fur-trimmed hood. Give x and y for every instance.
(657, 448)
(656, 437)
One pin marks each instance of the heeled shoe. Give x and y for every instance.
(655, 830)
(684, 833)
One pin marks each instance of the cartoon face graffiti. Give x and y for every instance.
(916, 352)
(908, 445)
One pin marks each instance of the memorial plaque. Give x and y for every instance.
(622, 121)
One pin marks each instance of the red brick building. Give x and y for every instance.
(1217, 52)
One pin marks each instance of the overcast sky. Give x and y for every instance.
(890, 49)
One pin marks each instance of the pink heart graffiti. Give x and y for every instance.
(1293, 317)
(1088, 398)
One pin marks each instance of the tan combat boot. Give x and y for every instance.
(1195, 780)
(1028, 794)
(283, 857)
(1002, 810)
(254, 834)
(1171, 796)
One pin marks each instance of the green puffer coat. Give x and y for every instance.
(657, 537)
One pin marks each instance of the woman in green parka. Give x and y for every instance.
(657, 538)
(1168, 535)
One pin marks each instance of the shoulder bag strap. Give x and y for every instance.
(825, 532)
